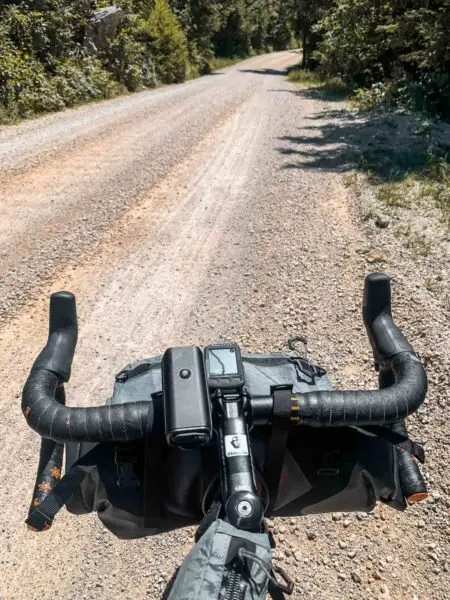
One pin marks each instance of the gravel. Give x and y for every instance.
(221, 224)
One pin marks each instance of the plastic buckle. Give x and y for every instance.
(292, 345)
(288, 586)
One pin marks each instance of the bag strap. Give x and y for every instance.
(283, 417)
(154, 474)
(400, 441)
(211, 515)
(41, 517)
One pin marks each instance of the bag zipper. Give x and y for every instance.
(233, 583)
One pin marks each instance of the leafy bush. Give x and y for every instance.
(47, 64)
(128, 57)
(397, 50)
(78, 81)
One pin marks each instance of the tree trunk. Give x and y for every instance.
(305, 46)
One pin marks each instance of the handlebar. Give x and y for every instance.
(392, 352)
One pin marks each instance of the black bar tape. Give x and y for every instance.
(59, 350)
(119, 422)
(412, 482)
(385, 336)
(337, 408)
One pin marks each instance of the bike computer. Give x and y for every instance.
(224, 368)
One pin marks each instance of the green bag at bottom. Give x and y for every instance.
(226, 563)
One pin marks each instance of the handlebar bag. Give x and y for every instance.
(324, 469)
(226, 563)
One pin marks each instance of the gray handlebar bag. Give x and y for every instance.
(216, 566)
(339, 469)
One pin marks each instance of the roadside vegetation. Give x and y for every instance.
(59, 53)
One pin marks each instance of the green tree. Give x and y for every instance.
(167, 43)
(307, 14)
(233, 39)
(279, 33)
(200, 20)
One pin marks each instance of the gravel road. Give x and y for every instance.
(186, 215)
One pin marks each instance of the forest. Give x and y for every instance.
(59, 53)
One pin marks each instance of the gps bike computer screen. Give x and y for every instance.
(224, 368)
(222, 361)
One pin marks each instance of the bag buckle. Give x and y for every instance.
(287, 585)
(293, 341)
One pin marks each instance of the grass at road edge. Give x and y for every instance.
(223, 62)
(417, 171)
(333, 87)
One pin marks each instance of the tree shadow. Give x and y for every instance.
(280, 72)
(326, 91)
(388, 145)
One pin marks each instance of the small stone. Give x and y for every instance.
(369, 565)
(346, 523)
(311, 535)
(337, 516)
(376, 256)
(361, 516)
(298, 555)
(384, 593)
(420, 523)
(351, 553)
(342, 576)
(342, 544)
(382, 221)
(356, 578)
(376, 575)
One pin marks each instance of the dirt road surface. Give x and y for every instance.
(186, 215)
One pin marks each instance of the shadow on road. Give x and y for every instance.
(387, 145)
(282, 72)
(321, 92)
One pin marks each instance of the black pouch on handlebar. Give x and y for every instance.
(322, 469)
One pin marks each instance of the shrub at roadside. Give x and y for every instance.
(398, 52)
(58, 53)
